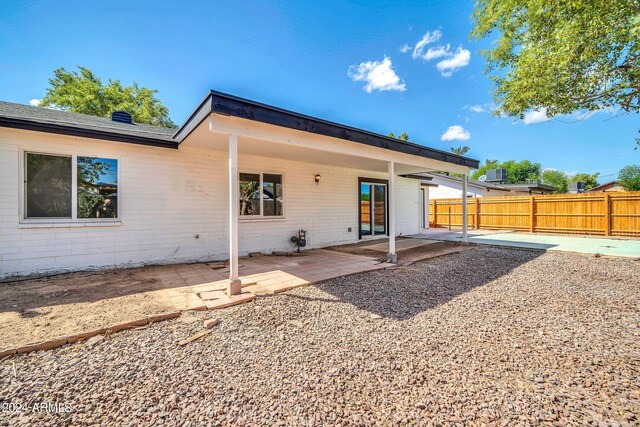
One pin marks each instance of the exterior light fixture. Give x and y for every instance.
(317, 178)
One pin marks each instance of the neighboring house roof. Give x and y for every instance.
(64, 122)
(67, 123)
(471, 182)
(534, 187)
(604, 187)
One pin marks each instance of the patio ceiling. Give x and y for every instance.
(264, 140)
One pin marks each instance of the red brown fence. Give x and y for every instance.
(603, 214)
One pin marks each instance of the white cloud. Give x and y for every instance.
(379, 75)
(428, 38)
(538, 116)
(477, 108)
(35, 102)
(405, 48)
(450, 61)
(454, 62)
(437, 52)
(455, 133)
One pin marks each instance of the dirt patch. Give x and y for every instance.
(405, 256)
(49, 308)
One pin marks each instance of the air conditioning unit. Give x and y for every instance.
(577, 187)
(496, 175)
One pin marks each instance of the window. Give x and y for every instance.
(51, 193)
(267, 202)
(97, 185)
(49, 185)
(272, 195)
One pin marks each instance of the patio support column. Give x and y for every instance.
(465, 218)
(234, 287)
(391, 191)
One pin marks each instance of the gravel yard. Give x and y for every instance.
(484, 336)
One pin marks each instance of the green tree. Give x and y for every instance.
(402, 137)
(522, 172)
(629, 177)
(563, 55)
(461, 150)
(590, 179)
(83, 92)
(557, 178)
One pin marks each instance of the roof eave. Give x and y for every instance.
(17, 123)
(222, 103)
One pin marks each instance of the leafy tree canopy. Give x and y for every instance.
(629, 177)
(557, 178)
(83, 92)
(562, 55)
(590, 179)
(521, 172)
(461, 150)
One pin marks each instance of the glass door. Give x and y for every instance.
(373, 209)
(365, 209)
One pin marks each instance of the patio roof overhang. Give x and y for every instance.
(221, 104)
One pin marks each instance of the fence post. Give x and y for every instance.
(449, 218)
(477, 220)
(607, 214)
(532, 208)
(435, 213)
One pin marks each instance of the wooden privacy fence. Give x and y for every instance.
(603, 214)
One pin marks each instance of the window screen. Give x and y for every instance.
(48, 186)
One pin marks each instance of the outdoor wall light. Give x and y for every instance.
(317, 177)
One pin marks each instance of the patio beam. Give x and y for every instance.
(234, 287)
(391, 195)
(465, 218)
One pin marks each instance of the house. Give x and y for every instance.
(446, 187)
(80, 192)
(609, 187)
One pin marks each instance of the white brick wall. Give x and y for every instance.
(167, 197)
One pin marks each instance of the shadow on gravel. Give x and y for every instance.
(407, 291)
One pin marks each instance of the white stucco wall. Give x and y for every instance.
(167, 197)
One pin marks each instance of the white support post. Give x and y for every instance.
(391, 194)
(465, 218)
(234, 287)
(427, 206)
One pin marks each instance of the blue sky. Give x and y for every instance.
(335, 60)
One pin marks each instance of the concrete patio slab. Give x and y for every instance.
(401, 244)
(548, 242)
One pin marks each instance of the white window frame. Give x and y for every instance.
(262, 216)
(26, 222)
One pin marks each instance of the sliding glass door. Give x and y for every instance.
(373, 209)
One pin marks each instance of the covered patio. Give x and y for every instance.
(249, 134)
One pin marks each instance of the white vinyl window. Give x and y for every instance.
(261, 195)
(70, 187)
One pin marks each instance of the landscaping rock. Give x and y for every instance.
(488, 336)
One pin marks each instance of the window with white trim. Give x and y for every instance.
(261, 195)
(51, 192)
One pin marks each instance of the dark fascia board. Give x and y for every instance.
(16, 123)
(225, 104)
(417, 176)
